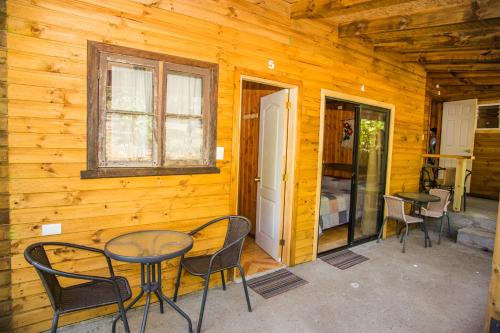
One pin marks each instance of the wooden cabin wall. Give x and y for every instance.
(493, 304)
(47, 46)
(249, 147)
(485, 179)
(333, 152)
(5, 272)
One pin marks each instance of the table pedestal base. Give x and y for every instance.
(151, 283)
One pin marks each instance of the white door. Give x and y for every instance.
(270, 171)
(457, 134)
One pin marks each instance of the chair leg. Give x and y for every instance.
(465, 198)
(440, 229)
(449, 226)
(405, 237)
(178, 282)
(223, 281)
(123, 314)
(203, 301)
(55, 320)
(427, 238)
(244, 281)
(381, 230)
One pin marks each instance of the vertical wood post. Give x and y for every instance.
(459, 184)
(493, 310)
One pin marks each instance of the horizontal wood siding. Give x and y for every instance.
(47, 47)
(485, 178)
(5, 272)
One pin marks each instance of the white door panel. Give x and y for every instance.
(457, 135)
(270, 170)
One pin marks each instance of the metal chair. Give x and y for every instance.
(98, 291)
(396, 211)
(429, 177)
(225, 258)
(438, 209)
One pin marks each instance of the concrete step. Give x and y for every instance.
(476, 237)
(466, 219)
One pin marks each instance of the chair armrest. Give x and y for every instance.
(74, 275)
(446, 206)
(195, 231)
(85, 248)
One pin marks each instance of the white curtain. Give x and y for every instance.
(131, 89)
(184, 95)
(184, 135)
(129, 137)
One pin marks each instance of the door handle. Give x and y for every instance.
(467, 151)
(256, 179)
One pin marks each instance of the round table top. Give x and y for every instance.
(149, 246)
(418, 197)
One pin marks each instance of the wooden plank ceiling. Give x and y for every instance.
(457, 41)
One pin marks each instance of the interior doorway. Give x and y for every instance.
(354, 152)
(263, 143)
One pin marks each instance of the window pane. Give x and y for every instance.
(129, 138)
(183, 139)
(184, 95)
(130, 89)
(488, 116)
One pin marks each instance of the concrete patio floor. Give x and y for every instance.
(438, 289)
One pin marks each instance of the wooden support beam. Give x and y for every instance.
(453, 93)
(484, 25)
(469, 39)
(470, 12)
(334, 8)
(454, 56)
(479, 81)
(461, 67)
(462, 75)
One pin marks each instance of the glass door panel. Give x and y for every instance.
(372, 126)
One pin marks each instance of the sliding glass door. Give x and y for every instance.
(355, 149)
(370, 165)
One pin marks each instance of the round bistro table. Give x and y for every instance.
(419, 199)
(149, 248)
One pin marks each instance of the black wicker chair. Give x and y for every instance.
(98, 291)
(225, 258)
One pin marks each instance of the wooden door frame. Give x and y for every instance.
(288, 205)
(325, 93)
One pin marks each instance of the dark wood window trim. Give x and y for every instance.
(98, 55)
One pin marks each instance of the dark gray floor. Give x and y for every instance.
(438, 289)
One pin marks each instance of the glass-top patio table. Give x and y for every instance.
(149, 248)
(419, 199)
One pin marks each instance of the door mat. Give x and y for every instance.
(343, 259)
(275, 283)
